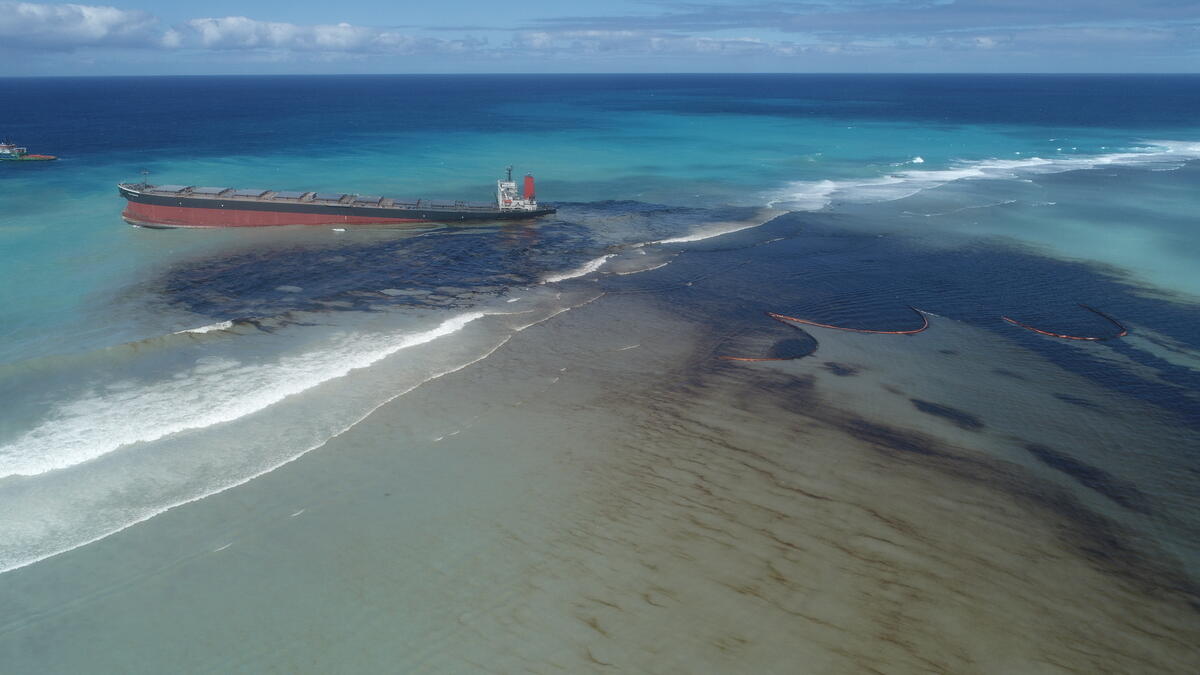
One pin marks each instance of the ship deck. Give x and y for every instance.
(303, 197)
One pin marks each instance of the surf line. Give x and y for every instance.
(1123, 331)
(924, 324)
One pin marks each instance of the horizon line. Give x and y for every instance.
(634, 73)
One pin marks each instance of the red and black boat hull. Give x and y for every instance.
(183, 211)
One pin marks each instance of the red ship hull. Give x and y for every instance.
(185, 216)
(189, 206)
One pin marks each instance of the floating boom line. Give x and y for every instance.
(1121, 328)
(924, 324)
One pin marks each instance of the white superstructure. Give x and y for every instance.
(509, 198)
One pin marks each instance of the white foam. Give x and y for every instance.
(718, 229)
(586, 268)
(10, 564)
(213, 391)
(556, 312)
(86, 503)
(707, 234)
(807, 195)
(989, 205)
(223, 325)
(816, 195)
(645, 269)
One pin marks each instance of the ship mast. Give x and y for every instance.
(509, 198)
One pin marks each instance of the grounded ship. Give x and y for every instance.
(189, 206)
(11, 153)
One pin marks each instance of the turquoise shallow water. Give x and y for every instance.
(514, 448)
(792, 142)
(128, 355)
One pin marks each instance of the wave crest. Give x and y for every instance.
(816, 195)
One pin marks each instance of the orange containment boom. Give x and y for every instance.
(750, 358)
(1123, 331)
(924, 324)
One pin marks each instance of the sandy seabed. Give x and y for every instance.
(602, 494)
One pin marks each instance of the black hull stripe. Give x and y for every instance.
(436, 215)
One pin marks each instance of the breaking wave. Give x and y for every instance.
(816, 195)
(584, 269)
(213, 390)
(718, 229)
(68, 472)
(222, 325)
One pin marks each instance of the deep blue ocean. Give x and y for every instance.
(140, 369)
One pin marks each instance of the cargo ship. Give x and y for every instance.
(11, 153)
(166, 206)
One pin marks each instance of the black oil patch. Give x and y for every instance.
(1008, 373)
(1102, 541)
(763, 346)
(962, 420)
(1091, 477)
(1075, 400)
(792, 348)
(840, 369)
(883, 436)
(826, 290)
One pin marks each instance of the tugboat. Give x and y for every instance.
(164, 206)
(11, 153)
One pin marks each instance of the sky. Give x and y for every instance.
(139, 37)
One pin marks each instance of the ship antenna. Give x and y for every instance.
(509, 170)
(145, 173)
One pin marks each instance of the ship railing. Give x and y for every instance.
(457, 205)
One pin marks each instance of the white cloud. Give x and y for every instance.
(71, 26)
(635, 42)
(239, 32)
(886, 31)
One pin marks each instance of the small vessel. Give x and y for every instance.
(190, 206)
(11, 153)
